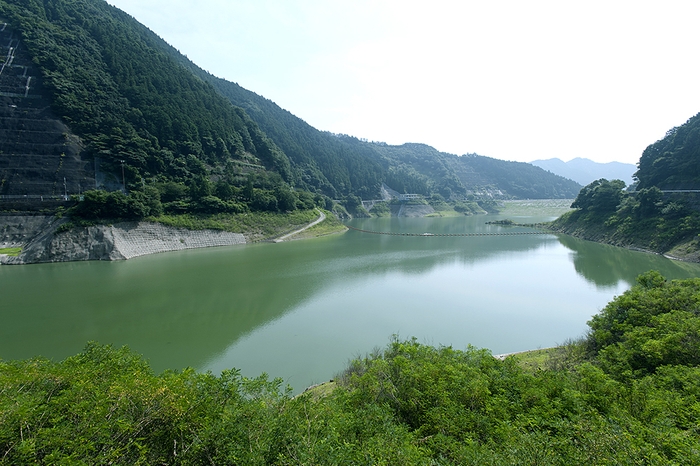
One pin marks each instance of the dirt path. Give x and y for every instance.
(321, 218)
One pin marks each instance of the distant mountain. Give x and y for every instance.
(407, 168)
(585, 171)
(473, 174)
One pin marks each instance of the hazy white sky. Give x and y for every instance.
(516, 80)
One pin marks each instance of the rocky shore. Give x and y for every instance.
(686, 251)
(40, 242)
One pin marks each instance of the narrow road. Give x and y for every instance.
(321, 218)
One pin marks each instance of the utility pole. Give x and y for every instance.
(123, 179)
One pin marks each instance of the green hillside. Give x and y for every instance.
(413, 168)
(91, 99)
(661, 215)
(143, 123)
(126, 98)
(674, 161)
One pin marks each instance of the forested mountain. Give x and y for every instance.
(411, 168)
(111, 83)
(335, 165)
(130, 113)
(584, 171)
(137, 120)
(655, 216)
(518, 179)
(674, 161)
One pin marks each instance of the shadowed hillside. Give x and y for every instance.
(38, 154)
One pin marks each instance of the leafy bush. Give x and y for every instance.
(99, 204)
(632, 399)
(656, 323)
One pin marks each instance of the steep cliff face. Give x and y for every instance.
(18, 230)
(40, 242)
(79, 244)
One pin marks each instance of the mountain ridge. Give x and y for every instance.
(584, 171)
(146, 117)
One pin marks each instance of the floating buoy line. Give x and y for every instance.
(514, 233)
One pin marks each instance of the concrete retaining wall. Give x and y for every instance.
(150, 238)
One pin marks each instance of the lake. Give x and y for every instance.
(300, 310)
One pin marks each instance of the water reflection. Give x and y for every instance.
(309, 305)
(605, 265)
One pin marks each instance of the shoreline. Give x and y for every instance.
(119, 241)
(692, 257)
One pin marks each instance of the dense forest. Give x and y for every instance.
(165, 136)
(408, 168)
(627, 393)
(151, 123)
(673, 162)
(143, 117)
(654, 216)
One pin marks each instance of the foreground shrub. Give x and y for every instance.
(633, 399)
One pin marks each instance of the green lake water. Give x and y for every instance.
(299, 310)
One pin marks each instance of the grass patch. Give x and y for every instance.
(446, 213)
(255, 225)
(566, 356)
(329, 226)
(320, 391)
(14, 252)
(532, 361)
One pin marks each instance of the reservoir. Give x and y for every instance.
(300, 310)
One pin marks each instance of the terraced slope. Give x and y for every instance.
(39, 156)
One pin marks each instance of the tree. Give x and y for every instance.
(601, 196)
(650, 201)
(286, 199)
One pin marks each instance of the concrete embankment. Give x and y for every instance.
(40, 243)
(413, 211)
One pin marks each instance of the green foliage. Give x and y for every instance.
(381, 209)
(634, 398)
(601, 196)
(106, 406)
(644, 219)
(647, 218)
(654, 324)
(13, 252)
(99, 204)
(649, 202)
(255, 225)
(353, 204)
(672, 162)
(468, 207)
(142, 114)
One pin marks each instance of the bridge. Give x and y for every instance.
(427, 235)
